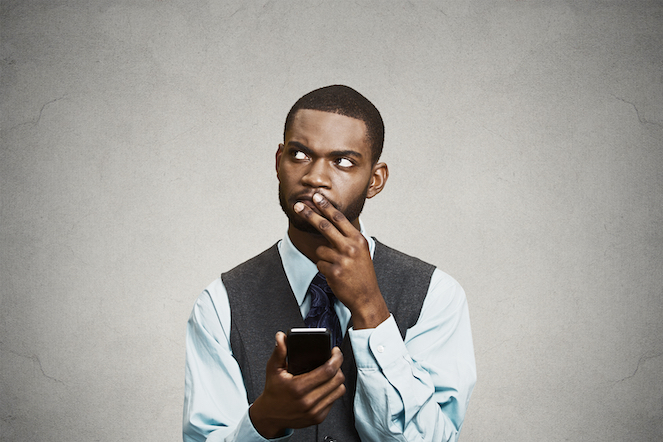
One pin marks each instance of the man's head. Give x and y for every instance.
(344, 100)
(327, 151)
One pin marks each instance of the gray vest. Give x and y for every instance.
(262, 303)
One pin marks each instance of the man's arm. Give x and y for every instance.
(418, 389)
(412, 390)
(215, 404)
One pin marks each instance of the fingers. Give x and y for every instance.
(324, 405)
(332, 213)
(329, 371)
(316, 405)
(278, 358)
(332, 224)
(323, 225)
(327, 392)
(327, 254)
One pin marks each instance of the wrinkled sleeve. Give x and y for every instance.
(417, 389)
(215, 402)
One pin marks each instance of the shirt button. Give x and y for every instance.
(380, 348)
(329, 439)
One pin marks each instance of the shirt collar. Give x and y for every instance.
(300, 270)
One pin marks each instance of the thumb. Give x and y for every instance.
(277, 359)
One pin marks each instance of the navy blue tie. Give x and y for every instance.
(322, 313)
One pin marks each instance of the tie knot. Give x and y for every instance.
(320, 281)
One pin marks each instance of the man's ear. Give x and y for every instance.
(378, 179)
(279, 152)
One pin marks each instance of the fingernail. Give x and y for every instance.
(299, 206)
(317, 197)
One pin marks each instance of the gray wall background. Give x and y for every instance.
(525, 143)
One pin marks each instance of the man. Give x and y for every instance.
(404, 366)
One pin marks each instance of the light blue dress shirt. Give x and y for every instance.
(415, 389)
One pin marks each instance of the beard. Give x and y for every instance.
(351, 212)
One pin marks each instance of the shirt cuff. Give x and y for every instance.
(377, 347)
(247, 432)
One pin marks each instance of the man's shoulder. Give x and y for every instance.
(439, 278)
(260, 262)
(217, 290)
(404, 282)
(395, 259)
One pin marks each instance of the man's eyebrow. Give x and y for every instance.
(345, 153)
(335, 153)
(299, 146)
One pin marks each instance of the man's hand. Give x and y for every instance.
(296, 401)
(346, 263)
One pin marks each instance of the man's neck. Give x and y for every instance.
(307, 243)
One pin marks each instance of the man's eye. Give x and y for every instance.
(344, 162)
(299, 155)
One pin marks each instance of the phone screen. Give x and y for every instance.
(308, 348)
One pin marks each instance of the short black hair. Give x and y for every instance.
(344, 100)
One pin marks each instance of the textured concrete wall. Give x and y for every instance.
(525, 142)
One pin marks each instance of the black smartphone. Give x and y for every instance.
(308, 348)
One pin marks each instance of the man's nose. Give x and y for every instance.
(317, 175)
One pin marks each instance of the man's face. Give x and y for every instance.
(325, 153)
